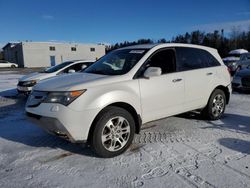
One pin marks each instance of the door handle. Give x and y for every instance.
(209, 73)
(177, 80)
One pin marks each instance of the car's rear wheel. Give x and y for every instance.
(113, 132)
(216, 105)
(13, 66)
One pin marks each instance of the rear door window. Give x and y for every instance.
(193, 58)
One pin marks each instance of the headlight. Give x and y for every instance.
(64, 98)
(29, 83)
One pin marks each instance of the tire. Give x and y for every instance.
(13, 66)
(216, 105)
(117, 138)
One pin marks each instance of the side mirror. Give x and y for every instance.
(71, 71)
(152, 71)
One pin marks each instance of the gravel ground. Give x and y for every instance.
(180, 151)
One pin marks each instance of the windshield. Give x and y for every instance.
(57, 67)
(117, 62)
(245, 57)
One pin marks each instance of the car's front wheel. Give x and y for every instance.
(113, 132)
(13, 66)
(216, 105)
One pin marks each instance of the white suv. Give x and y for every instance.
(107, 103)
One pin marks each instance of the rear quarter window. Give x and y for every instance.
(193, 58)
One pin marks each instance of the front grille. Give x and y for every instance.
(245, 81)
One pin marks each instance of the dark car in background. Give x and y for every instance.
(241, 80)
(233, 57)
(244, 61)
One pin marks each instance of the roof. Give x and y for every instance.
(150, 46)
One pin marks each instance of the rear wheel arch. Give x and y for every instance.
(216, 104)
(225, 90)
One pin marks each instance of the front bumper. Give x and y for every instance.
(238, 85)
(62, 120)
(51, 125)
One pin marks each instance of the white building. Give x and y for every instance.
(46, 54)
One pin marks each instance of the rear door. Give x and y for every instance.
(162, 95)
(199, 69)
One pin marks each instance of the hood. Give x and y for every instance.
(36, 76)
(244, 72)
(70, 82)
(238, 51)
(231, 58)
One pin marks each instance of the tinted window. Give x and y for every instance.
(192, 58)
(244, 57)
(165, 59)
(211, 60)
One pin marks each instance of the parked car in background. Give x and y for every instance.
(26, 83)
(232, 59)
(243, 62)
(6, 64)
(107, 103)
(241, 80)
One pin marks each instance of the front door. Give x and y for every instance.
(163, 95)
(52, 60)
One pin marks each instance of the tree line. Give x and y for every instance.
(236, 39)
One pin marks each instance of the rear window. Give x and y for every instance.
(193, 58)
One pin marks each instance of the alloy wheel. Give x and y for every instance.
(218, 105)
(115, 134)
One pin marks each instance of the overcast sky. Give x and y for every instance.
(111, 21)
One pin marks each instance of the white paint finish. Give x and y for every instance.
(7, 64)
(199, 85)
(152, 98)
(161, 96)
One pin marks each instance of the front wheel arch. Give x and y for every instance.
(125, 106)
